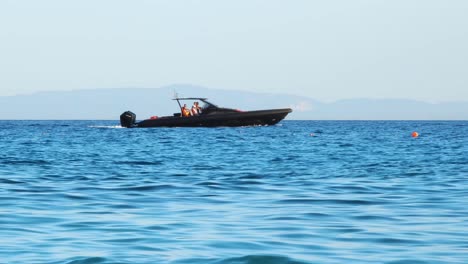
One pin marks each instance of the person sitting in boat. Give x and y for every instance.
(196, 109)
(185, 111)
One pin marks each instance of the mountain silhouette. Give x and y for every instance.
(108, 104)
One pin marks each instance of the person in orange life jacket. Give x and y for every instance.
(196, 109)
(185, 111)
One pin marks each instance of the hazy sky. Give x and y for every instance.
(328, 50)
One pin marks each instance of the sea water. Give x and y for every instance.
(297, 192)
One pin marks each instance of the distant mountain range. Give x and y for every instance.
(108, 104)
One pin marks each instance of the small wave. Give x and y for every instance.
(249, 259)
(407, 261)
(147, 187)
(327, 201)
(139, 162)
(390, 241)
(90, 260)
(7, 181)
(254, 259)
(24, 162)
(76, 197)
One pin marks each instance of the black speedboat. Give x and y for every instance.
(209, 116)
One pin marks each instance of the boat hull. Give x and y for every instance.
(235, 119)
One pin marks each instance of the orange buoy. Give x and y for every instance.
(415, 134)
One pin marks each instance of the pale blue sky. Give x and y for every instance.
(328, 50)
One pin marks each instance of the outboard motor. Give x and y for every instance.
(127, 119)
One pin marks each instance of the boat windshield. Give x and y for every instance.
(207, 104)
(189, 102)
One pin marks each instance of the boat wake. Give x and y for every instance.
(114, 127)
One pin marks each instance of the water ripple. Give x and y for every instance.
(354, 192)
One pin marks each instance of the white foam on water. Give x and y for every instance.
(106, 127)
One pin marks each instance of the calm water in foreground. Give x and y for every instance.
(352, 192)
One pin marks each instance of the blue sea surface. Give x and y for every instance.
(298, 192)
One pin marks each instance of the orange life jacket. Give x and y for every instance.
(185, 112)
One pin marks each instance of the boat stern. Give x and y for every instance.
(127, 119)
